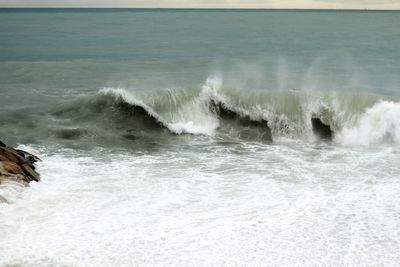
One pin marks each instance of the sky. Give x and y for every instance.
(324, 4)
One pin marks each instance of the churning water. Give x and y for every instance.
(187, 138)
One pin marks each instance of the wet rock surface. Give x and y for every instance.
(17, 166)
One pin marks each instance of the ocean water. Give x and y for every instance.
(185, 137)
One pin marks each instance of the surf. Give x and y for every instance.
(123, 116)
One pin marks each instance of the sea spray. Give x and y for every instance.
(379, 124)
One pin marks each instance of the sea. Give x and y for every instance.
(192, 137)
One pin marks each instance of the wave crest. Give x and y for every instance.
(114, 116)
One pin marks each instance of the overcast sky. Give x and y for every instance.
(337, 4)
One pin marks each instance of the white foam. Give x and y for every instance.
(379, 124)
(10, 192)
(191, 128)
(238, 205)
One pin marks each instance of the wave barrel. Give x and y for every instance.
(320, 129)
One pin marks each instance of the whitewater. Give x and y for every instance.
(202, 138)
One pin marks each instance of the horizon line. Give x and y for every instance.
(211, 8)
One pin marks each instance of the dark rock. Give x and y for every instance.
(17, 166)
(28, 156)
(9, 154)
(30, 172)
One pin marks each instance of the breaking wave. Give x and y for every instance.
(379, 124)
(115, 116)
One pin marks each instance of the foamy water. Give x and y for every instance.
(290, 203)
(378, 124)
(213, 198)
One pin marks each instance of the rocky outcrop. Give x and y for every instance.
(17, 166)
